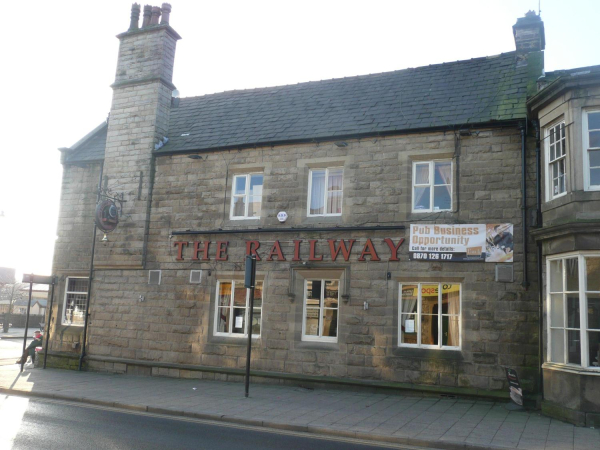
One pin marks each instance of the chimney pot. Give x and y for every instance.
(135, 17)
(166, 13)
(529, 33)
(155, 15)
(147, 14)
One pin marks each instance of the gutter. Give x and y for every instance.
(538, 215)
(522, 127)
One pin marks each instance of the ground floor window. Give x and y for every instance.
(429, 315)
(232, 310)
(75, 300)
(321, 307)
(573, 299)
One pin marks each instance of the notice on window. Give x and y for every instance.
(239, 321)
(461, 243)
(409, 326)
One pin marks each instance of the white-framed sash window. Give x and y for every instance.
(556, 157)
(75, 301)
(246, 196)
(321, 310)
(591, 150)
(573, 299)
(432, 186)
(429, 315)
(232, 309)
(325, 192)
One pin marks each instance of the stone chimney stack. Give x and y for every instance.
(529, 33)
(139, 120)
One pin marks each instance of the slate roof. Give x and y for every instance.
(476, 91)
(91, 147)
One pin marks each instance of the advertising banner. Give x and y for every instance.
(462, 242)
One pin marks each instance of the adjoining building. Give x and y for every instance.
(389, 214)
(568, 109)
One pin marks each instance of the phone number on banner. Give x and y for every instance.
(431, 256)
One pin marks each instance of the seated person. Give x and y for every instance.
(30, 350)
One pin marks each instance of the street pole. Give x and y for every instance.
(250, 283)
(27, 323)
(48, 320)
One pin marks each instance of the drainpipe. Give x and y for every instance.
(89, 290)
(538, 213)
(522, 127)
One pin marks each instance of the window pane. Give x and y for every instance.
(75, 308)
(223, 320)
(239, 206)
(594, 158)
(451, 299)
(256, 183)
(334, 202)
(334, 183)
(239, 297)
(441, 198)
(595, 177)
(256, 320)
(573, 311)
(593, 310)
(224, 294)
(421, 198)
(443, 173)
(312, 321)
(410, 298)
(421, 173)
(594, 121)
(240, 185)
(557, 313)
(558, 149)
(450, 327)
(573, 347)
(593, 274)
(408, 325)
(313, 292)
(594, 139)
(429, 298)
(77, 285)
(556, 281)
(429, 329)
(254, 206)
(330, 322)
(557, 352)
(239, 320)
(594, 346)
(572, 272)
(258, 293)
(317, 192)
(331, 294)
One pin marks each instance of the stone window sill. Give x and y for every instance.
(594, 371)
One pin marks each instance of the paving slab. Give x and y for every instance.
(396, 418)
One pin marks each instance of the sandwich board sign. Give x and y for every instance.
(516, 393)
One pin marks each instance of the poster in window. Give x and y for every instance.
(461, 242)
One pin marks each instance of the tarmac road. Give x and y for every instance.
(49, 424)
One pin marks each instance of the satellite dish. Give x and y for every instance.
(107, 215)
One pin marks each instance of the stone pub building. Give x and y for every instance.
(391, 216)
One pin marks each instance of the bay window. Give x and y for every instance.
(591, 149)
(556, 156)
(573, 296)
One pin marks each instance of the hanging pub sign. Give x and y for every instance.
(463, 243)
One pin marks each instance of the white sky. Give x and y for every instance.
(59, 59)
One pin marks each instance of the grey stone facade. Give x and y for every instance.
(168, 329)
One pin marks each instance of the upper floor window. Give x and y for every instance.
(75, 301)
(556, 155)
(321, 306)
(429, 315)
(432, 186)
(591, 145)
(246, 196)
(573, 296)
(325, 188)
(232, 310)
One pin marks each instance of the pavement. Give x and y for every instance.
(17, 333)
(401, 419)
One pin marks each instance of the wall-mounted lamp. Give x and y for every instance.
(194, 156)
(465, 132)
(341, 144)
(105, 238)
